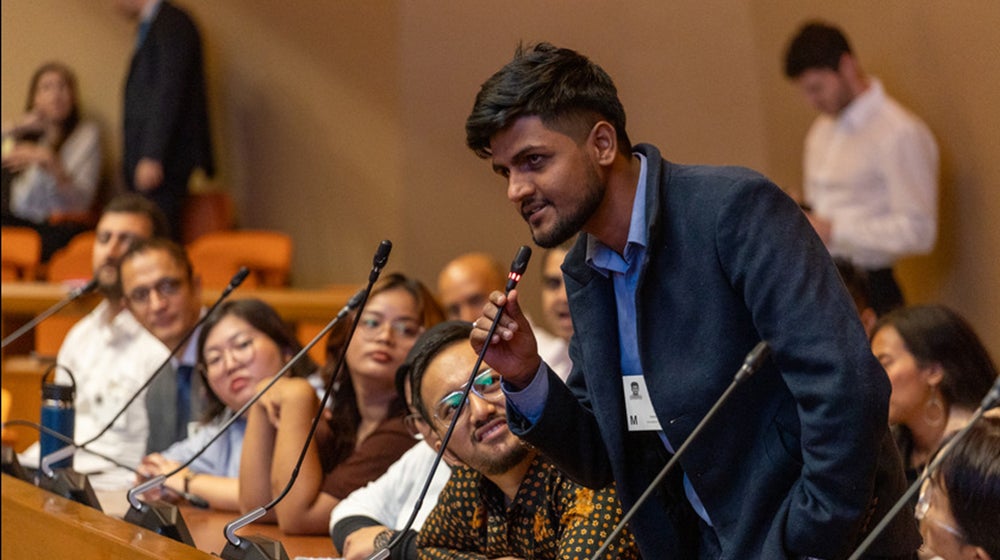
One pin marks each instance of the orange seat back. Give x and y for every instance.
(217, 256)
(20, 254)
(72, 263)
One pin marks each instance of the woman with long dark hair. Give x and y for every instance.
(51, 158)
(939, 371)
(364, 432)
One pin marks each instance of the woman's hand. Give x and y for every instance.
(285, 392)
(24, 155)
(153, 465)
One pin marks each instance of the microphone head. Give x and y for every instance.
(382, 253)
(239, 277)
(518, 266)
(85, 289)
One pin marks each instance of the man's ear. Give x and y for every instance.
(449, 457)
(604, 141)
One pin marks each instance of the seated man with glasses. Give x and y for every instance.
(110, 354)
(161, 291)
(505, 499)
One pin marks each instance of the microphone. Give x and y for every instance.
(751, 364)
(169, 522)
(164, 518)
(517, 268)
(259, 546)
(72, 296)
(234, 282)
(991, 400)
(88, 497)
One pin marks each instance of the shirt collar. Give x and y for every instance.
(863, 106)
(189, 355)
(604, 259)
(149, 11)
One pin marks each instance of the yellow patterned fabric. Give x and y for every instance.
(551, 517)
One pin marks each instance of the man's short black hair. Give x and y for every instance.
(816, 46)
(562, 87)
(134, 203)
(428, 346)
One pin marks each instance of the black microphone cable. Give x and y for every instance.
(750, 365)
(517, 268)
(45, 468)
(55, 308)
(236, 280)
(359, 301)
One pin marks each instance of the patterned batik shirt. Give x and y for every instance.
(551, 517)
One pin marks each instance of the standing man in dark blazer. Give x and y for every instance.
(679, 272)
(166, 129)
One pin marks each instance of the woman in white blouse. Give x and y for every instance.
(51, 157)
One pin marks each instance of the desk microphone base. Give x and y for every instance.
(71, 485)
(12, 467)
(256, 547)
(161, 518)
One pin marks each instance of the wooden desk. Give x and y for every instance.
(307, 310)
(27, 299)
(207, 528)
(38, 524)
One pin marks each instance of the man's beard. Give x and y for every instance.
(493, 465)
(111, 288)
(567, 226)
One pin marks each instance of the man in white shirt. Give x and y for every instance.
(108, 352)
(871, 166)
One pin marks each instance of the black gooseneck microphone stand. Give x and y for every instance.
(517, 269)
(258, 546)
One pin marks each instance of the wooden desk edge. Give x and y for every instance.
(39, 524)
(293, 304)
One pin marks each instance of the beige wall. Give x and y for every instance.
(342, 122)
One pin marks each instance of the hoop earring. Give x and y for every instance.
(934, 419)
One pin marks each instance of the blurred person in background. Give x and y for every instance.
(51, 161)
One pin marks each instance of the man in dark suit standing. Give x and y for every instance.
(679, 271)
(166, 130)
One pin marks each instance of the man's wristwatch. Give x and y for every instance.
(382, 539)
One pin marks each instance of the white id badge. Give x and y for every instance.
(639, 413)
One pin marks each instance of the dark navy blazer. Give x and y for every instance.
(799, 462)
(165, 116)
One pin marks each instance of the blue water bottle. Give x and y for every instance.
(58, 414)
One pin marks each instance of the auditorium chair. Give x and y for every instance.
(21, 253)
(217, 256)
(73, 264)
